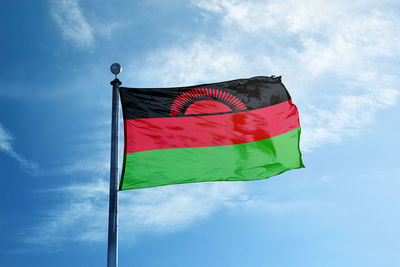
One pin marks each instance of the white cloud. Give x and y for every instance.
(92, 165)
(278, 16)
(82, 218)
(6, 140)
(351, 114)
(175, 207)
(202, 60)
(165, 209)
(68, 16)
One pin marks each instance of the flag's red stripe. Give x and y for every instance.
(210, 130)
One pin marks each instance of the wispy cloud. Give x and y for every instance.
(5, 139)
(352, 113)
(6, 146)
(164, 209)
(201, 60)
(74, 26)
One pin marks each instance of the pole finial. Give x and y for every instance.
(116, 69)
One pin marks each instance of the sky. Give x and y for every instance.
(339, 60)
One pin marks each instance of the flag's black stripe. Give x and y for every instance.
(256, 92)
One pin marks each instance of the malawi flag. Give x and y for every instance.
(238, 130)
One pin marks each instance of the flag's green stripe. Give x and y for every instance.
(248, 161)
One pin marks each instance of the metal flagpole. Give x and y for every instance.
(112, 256)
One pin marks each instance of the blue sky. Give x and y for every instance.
(340, 62)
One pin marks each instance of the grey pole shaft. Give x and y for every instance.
(112, 256)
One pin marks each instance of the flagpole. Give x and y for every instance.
(112, 256)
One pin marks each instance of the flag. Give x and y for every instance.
(245, 129)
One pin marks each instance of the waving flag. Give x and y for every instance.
(238, 130)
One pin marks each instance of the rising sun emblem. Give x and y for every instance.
(205, 101)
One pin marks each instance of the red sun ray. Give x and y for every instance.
(205, 101)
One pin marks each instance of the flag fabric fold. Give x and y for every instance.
(246, 129)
